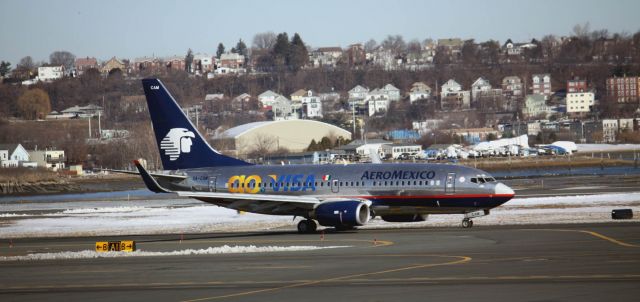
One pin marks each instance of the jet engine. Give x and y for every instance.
(347, 213)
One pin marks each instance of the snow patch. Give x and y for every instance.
(88, 254)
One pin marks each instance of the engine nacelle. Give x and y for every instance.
(404, 218)
(342, 213)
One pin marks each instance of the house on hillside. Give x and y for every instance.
(297, 95)
(267, 98)
(392, 91)
(453, 97)
(419, 91)
(311, 105)
(50, 73)
(512, 87)
(541, 84)
(51, 159)
(83, 64)
(13, 156)
(112, 64)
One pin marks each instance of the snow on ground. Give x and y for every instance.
(607, 147)
(88, 254)
(188, 216)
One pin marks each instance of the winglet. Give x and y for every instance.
(149, 181)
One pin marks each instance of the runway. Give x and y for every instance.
(583, 262)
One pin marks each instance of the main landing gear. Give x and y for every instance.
(307, 226)
(467, 223)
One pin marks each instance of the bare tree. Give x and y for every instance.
(582, 31)
(394, 43)
(414, 47)
(34, 104)
(264, 40)
(370, 45)
(63, 58)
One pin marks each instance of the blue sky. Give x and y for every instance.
(129, 29)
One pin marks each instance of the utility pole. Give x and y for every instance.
(99, 125)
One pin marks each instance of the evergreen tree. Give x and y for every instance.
(220, 50)
(241, 48)
(188, 61)
(298, 54)
(313, 146)
(281, 49)
(5, 67)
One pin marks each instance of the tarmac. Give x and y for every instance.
(569, 262)
(576, 262)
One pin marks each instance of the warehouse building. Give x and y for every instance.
(269, 136)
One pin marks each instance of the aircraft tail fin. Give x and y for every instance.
(180, 144)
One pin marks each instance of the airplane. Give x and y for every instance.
(338, 196)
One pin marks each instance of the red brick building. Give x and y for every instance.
(624, 89)
(576, 85)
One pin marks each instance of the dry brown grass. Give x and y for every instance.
(24, 175)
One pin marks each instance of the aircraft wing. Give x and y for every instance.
(260, 203)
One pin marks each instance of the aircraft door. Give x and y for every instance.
(212, 183)
(450, 183)
(335, 186)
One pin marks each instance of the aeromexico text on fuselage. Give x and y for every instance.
(307, 182)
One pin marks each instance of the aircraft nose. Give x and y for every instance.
(501, 188)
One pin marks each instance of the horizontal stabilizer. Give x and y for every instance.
(149, 181)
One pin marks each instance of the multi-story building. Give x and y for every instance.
(535, 105)
(232, 60)
(203, 63)
(356, 55)
(82, 64)
(175, 63)
(49, 158)
(452, 97)
(541, 84)
(325, 57)
(576, 85)
(624, 89)
(312, 105)
(609, 130)
(419, 91)
(580, 102)
(377, 102)
(512, 86)
(392, 92)
(50, 73)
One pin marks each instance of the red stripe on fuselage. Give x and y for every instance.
(433, 196)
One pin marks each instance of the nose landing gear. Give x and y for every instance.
(467, 223)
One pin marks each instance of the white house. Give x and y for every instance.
(50, 73)
(392, 92)
(13, 155)
(358, 93)
(535, 104)
(481, 85)
(580, 102)
(203, 63)
(378, 103)
(313, 104)
(48, 158)
(419, 91)
(267, 98)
